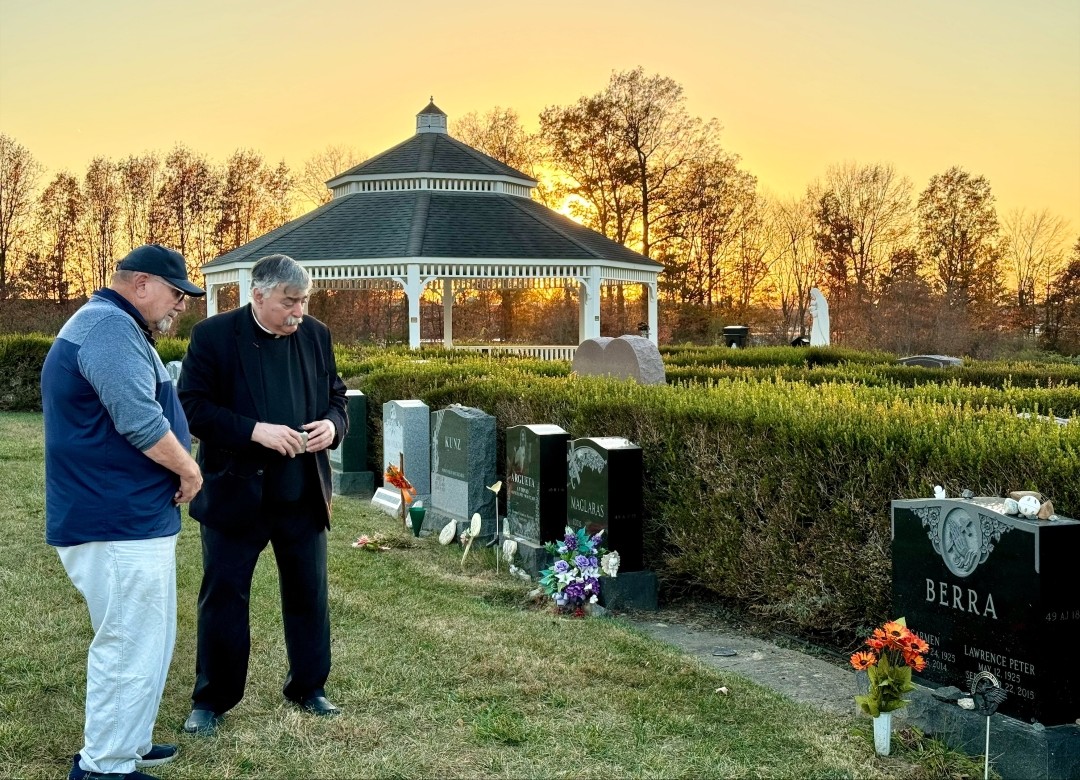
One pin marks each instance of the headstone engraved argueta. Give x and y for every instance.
(992, 592)
(462, 468)
(349, 473)
(407, 432)
(535, 490)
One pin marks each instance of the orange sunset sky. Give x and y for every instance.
(990, 85)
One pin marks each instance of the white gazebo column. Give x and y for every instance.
(448, 312)
(243, 286)
(650, 290)
(211, 299)
(413, 289)
(589, 305)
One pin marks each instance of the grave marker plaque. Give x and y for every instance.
(536, 482)
(462, 468)
(604, 491)
(992, 592)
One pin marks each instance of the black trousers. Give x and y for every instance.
(224, 632)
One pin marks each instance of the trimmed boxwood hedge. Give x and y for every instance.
(764, 487)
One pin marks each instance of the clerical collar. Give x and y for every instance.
(265, 331)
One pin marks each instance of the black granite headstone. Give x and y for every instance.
(992, 592)
(536, 482)
(604, 491)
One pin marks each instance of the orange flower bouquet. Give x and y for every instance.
(394, 476)
(894, 652)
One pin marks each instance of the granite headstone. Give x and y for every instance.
(992, 592)
(462, 468)
(348, 461)
(535, 490)
(604, 492)
(407, 432)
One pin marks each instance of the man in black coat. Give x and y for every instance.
(261, 391)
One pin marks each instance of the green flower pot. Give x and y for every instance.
(416, 515)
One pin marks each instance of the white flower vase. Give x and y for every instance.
(883, 733)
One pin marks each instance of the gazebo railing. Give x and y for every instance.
(549, 352)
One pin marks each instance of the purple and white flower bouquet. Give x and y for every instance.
(573, 580)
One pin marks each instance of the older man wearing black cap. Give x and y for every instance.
(117, 467)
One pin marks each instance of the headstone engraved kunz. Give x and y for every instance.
(462, 468)
(604, 491)
(407, 431)
(992, 592)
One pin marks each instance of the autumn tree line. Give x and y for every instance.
(905, 269)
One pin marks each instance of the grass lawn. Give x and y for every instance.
(441, 671)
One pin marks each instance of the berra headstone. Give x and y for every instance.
(604, 491)
(462, 468)
(348, 461)
(992, 592)
(407, 431)
(535, 490)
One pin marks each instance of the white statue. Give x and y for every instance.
(819, 311)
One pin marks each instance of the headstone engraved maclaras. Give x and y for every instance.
(348, 461)
(604, 492)
(462, 468)
(535, 490)
(407, 431)
(996, 593)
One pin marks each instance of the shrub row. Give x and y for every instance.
(775, 496)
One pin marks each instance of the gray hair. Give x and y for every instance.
(274, 270)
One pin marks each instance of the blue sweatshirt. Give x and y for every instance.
(107, 398)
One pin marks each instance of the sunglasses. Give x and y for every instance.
(178, 294)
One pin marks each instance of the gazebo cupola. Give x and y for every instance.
(431, 119)
(433, 211)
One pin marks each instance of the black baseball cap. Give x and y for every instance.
(160, 261)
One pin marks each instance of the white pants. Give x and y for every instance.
(130, 590)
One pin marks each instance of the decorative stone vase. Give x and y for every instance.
(883, 733)
(416, 516)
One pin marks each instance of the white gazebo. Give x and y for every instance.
(433, 211)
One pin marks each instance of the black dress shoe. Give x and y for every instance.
(319, 705)
(201, 722)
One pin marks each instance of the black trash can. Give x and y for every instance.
(736, 335)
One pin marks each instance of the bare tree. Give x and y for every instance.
(101, 219)
(958, 234)
(188, 203)
(139, 184)
(1033, 248)
(323, 166)
(59, 214)
(862, 214)
(798, 266)
(594, 170)
(709, 202)
(499, 134)
(652, 121)
(19, 174)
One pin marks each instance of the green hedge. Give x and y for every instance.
(769, 492)
(775, 496)
(21, 358)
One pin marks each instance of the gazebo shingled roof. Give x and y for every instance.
(434, 209)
